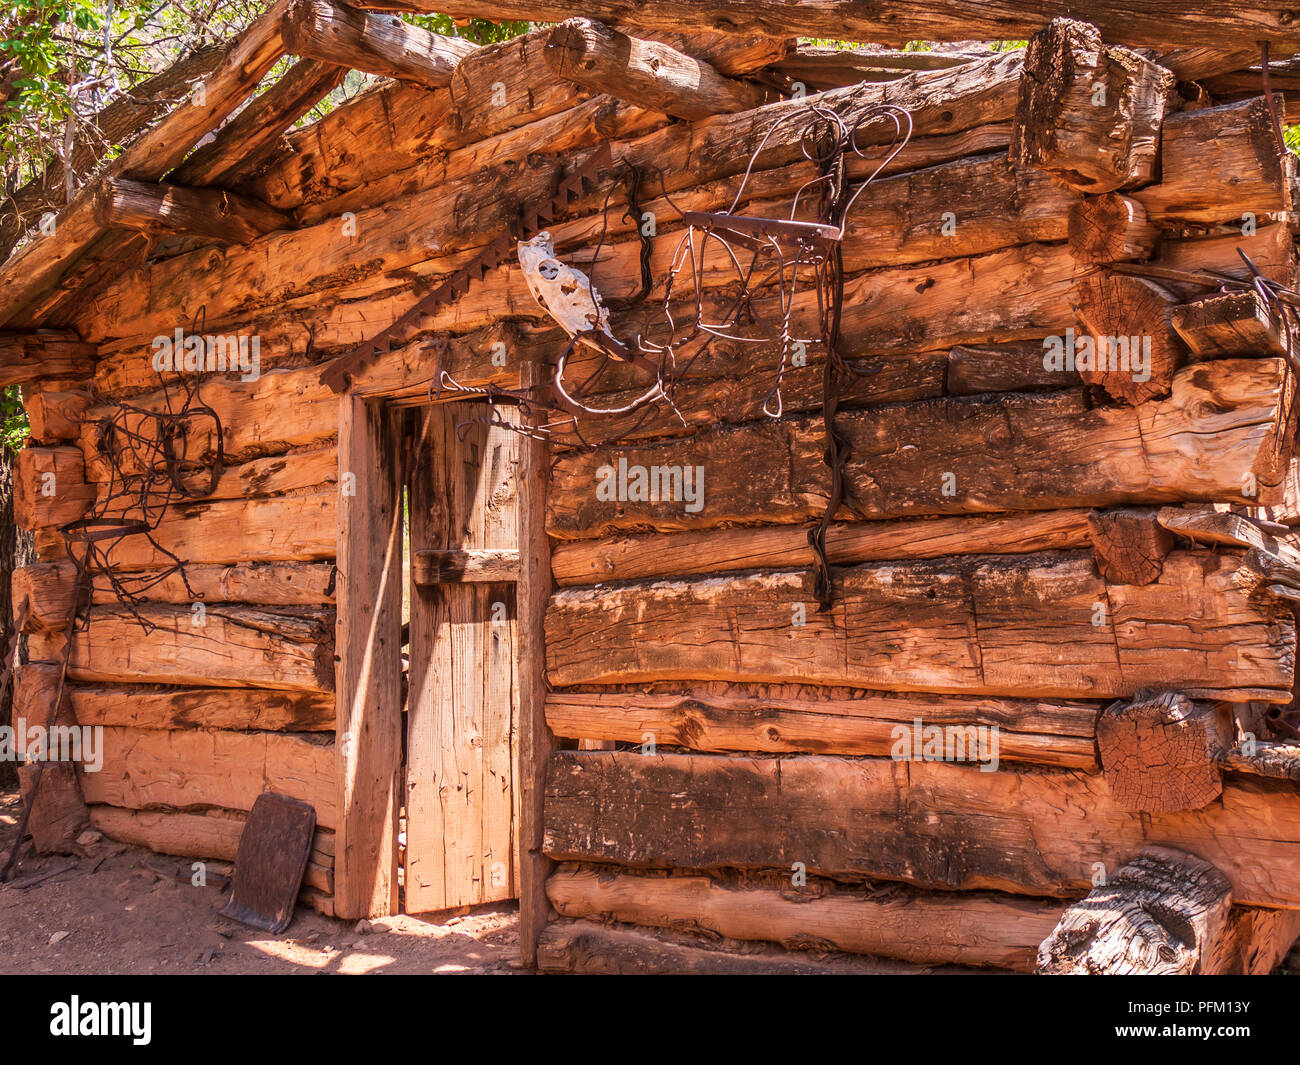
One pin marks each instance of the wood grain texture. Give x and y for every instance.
(1043, 626)
(925, 823)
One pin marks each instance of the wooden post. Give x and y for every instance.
(646, 73)
(1165, 912)
(535, 739)
(368, 670)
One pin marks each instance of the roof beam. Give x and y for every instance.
(645, 73)
(1149, 23)
(215, 213)
(375, 43)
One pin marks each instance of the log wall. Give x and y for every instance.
(740, 779)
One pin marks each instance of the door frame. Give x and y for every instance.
(368, 666)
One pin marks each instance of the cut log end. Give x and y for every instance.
(1164, 913)
(1160, 752)
(1130, 544)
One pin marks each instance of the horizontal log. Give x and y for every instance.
(157, 208)
(975, 929)
(457, 566)
(1148, 23)
(1216, 438)
(279, 410)
(378, 44)
(237, 709)
(634, 557)
(50, 588)
(820, 68)
(212, 834)
(795, 720)
(1041, 626)
(1226, 325)
(227, 769)
(50, 487)
(44, 353)
(1218, 164)
(929, 824)
(235, 646)
(312, 467)
(590, 948)
(227, 533)
(1013, 367)
(648, 73)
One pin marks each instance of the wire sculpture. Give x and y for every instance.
(153, 462)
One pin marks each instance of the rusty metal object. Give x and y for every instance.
(270, 862)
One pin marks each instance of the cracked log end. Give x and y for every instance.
(1165, 912)
(1160, 752)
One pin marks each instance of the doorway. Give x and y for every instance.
(462, 796)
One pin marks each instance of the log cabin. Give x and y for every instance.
(970, 645)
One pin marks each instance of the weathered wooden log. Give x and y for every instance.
(1011, 367)
(791, 719)
(1145, 23)
(930, 824)
(586, 947)
(731, 54)
(44, 353)
(1111, 228)
(1218, 164)
(1160, 752)
(1215, 438)
(227, 533)
(58, 812)
(56, 416)
(973, 929)
(378, 44)
(1280, 761)
(456, 566)
(50, 588)
(312, 467)
(646, 73)
(634, 556)
(211, 834)
(50, 487)
(1130, 544)
(226, 646)
(1258, 940)
(227, 769)
(1230, 324)
(1164, 912)
(49, 592)
(1042, 626)
(238, 709)
(278, 410)
(158, 208)
(820, 68)
(1088, 112)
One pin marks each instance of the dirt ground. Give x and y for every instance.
(116, 911)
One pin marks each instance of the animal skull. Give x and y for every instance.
(561, 291)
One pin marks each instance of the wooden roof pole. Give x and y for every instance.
(1144, 23)
(377, 44)
(646, 73)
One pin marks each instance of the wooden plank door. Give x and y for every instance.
(462, 721)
